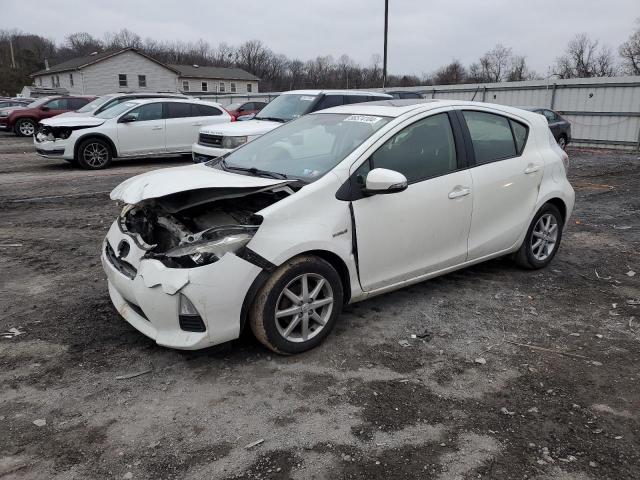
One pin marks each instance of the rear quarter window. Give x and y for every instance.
(520, 134)
(491, 136)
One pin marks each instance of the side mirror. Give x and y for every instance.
(44, 108)
(383, 181)
(128, 118)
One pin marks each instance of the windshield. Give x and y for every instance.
(116, 110)
(40, 101)
(306, 148)
(287, 107)
(91, 106)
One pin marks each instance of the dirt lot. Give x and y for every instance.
(362, 405)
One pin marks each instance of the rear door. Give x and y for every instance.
(506, 172)
(144, 136)
(184, 121)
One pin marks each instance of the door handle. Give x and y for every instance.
(459, 192)
(531, 169)
(156, 128)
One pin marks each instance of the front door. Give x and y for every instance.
(145, 135)
(424, 228)
(506, 177)
(54, 107)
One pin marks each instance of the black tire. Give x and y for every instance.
(93, 154)
(562, 141)
(22, 125)
(262, 316)
(526, 256)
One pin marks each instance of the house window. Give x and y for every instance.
(249, 88)
(185, 85)
(71, 79)
(221, 87)
(142, 80)
(233, 87)
(205, 86)
(122, 80)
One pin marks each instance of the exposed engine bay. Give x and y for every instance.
(202, 230)
(49, 133)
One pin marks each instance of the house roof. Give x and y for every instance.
(224, 73)
(81, 62)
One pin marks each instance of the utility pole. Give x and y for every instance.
(386, 28)
(13, 60)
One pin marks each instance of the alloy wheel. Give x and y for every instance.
(544, 237)
(26, 128)
(304, 307)
(95, 155)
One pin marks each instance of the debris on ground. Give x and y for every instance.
(505, 411)
(13, 332)
(404, 343)
(480, 360)
(40, 422)
(254, 444)
(133, 375)
(631, 273)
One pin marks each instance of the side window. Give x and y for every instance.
(151, 111)
(355, 99)
(76, 103)
(491, 136)
(246, 107)
(329, 101)
(551, 116)
(178, 110)
(58, 104)
(422, 150)
(207, 111)
(520, 133)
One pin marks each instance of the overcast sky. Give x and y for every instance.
(423, 34)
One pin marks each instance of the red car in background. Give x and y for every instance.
(23, 121)
(247, 108)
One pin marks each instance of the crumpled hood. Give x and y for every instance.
(247, 128)
(167, 181)
(73, 114)
(76, 120)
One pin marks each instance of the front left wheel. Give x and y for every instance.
(93, 154)
(297, 307)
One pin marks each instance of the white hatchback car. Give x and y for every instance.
(332, 208)
(131, 129)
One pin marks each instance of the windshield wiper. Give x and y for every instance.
(254, 171)
(273, 119)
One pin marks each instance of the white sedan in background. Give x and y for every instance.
(332, 208)
(133, 129)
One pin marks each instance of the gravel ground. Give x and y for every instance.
(514, 374)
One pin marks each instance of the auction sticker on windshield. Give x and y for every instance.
(363, 119)
(307, 99)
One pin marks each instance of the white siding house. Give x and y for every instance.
(129, 70)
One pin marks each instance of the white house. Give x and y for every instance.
(130, 70)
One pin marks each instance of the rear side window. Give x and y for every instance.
(519, 134)
(179, 110)
(206, 111)
(491, 136)
(330, 101)
(76, 103)
(355, 99)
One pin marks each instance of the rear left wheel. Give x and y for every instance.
(543, 238)
(298, 306)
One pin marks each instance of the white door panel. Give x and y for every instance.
(417, 231)
(141, 138)
(504, 195)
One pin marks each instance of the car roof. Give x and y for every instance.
(336, 92)
(143, 101)
(397, 107)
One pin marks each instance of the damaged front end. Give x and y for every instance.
(187, 230)
(48, 133)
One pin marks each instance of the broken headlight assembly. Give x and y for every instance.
(208, 246)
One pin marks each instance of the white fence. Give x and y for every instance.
(604, 112)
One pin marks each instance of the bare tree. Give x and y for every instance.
(81, 43)
(122, 39)
(583, 59)
(519, 70)
(495, 63)
(630, 52)
(450, 74)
